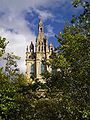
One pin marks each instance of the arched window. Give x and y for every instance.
(39, 48)
(32, 69)
(42, 48)
(51, 49)
(42, 68)
(40, 29)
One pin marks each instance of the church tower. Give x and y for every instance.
(34, 64)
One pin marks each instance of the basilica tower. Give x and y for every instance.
(34, 64)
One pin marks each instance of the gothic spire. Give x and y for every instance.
(40, 35)
(40, 22)
(40, 26)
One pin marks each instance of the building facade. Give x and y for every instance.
(35, 56)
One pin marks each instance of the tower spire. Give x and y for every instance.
(40, 35)
(40, 22)
(40, 26)
(34, 57)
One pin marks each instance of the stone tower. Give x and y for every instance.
(34, 64)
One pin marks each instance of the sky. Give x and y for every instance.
(19, 22)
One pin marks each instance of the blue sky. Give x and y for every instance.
(60, 14)
(19, 22)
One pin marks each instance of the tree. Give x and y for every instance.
(3, 44)
(11, 67)
(73, 63)
(8, 106)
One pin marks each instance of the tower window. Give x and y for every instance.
(42, 48)
(39, 48)
(42, 68)
(40, 29)
(51, 48)
(32, 69)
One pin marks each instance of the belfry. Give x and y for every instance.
(34, 57)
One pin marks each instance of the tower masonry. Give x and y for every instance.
(34, 57)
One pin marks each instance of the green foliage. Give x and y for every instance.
(46, 109)
(2, 46)
(66, 93)
(7, 97)
(72, 65)
(11, 67)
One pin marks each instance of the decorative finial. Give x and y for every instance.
(40, 22)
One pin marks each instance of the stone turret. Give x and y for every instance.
(31, 47)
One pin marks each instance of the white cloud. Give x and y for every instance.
(50, 31)
(14, 27)
(44, 14)
(17, 45)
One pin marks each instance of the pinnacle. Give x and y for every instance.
(40, 22)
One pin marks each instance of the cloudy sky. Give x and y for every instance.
(19, 20)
